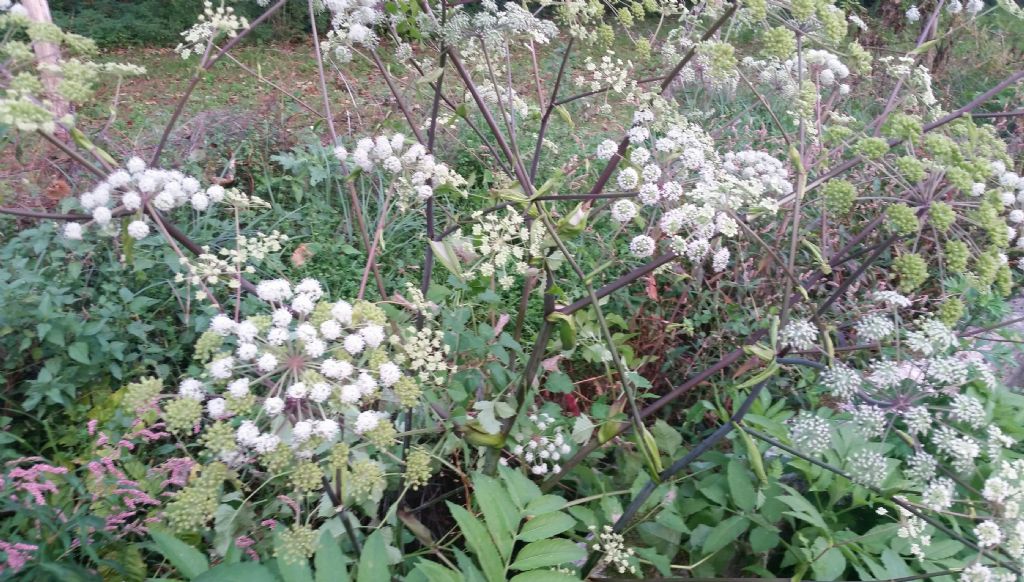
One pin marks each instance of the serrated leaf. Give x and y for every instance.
(544, 504)
(763, 539)
(520, 488)
(803, 510)
(79, 352)
(373, 562)
(559, 383)
(189, 561)
(486, 417)
(544, 526)
(582, 429)
(435, 572)
(725, 533)
(740, 489)
(544, 576)
(830, 565)
(500, 516)
(331, 564)
(444, 252)
(480, 542)
(240, 572)
(547, 553)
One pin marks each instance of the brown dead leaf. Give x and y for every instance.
(301, 255)
(58, 189)
(747, 366)
(652, 288)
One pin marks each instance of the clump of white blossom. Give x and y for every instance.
(413, 171)
(125, 192)
(211, 24)
(304, 373)
(500, 245)
(542, 451)
(672, 166)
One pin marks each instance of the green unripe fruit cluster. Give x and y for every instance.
(779, 42)
(833, 22)
(871, 147)
(951, 311)
(840, 196)
(182, 414)
(957, 254)
(903, 126)
(902, 219)
(758, 9)
(803, 10)
(911, 169)
(912, 271)
(307, 476)
(941, 216)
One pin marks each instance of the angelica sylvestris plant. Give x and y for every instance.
(308, 392)
(589, 211)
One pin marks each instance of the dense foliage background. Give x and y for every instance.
(794, 366)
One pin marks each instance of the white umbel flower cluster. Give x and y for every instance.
(125, 192)
(543, 451)
(352, 25)
(665, 153)
(321, 366)
(415, 170)
(212, 23)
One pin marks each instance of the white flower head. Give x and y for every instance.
(273, 405)
(138, 229)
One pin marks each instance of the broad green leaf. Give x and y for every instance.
(500, 516)
(480, 542)
(373, 562)
(742, 492)
(895, 566)
(802, 509)
(240, 572)
(560, 383)
(763, 539)
(547, 553)
(544, 576)
(297, 571)
(725, 533)
(582, 429)
(445, 254)
(331, 564)
(435, 572)
(669, 439)
(830, 565)
(468, 568)
(519, 486)
(188, 560)
(544, 504)
(547, 525)
(79, 352)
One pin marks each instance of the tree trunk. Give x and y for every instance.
(48, 53)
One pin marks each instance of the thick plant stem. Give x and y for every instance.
(606, 333)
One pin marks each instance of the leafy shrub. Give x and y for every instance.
(734, 338)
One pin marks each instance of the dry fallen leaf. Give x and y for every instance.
(58, 189)
(301, 255)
